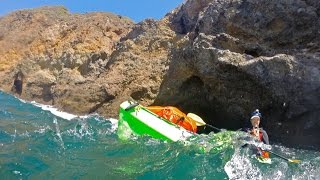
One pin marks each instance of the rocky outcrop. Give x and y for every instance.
(220, 59)
(241, 55)
(58, 54)
(87, 63)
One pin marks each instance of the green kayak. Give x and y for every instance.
(141, 121)
(137, 119)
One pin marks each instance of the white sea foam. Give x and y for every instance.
(69, 116)
(56, 112)
(114, 123)
(53, 110)
(240, 167)
(21, 100)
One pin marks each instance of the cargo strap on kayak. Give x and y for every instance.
(132, 105)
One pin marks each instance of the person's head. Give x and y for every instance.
(255, 118)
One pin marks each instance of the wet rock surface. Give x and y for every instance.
(250, 54)
(220, 59)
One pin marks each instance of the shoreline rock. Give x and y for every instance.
(218, 59)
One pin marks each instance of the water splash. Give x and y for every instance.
(36, 144)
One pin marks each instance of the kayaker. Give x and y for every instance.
(257, 131)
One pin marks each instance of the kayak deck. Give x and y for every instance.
(144, 122)
(264, 160)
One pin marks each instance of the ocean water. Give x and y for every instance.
(39, 142)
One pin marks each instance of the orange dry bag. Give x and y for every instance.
(174, 115)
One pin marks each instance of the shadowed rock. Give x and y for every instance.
(220, 59)
(18, 83)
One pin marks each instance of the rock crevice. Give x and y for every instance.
(220, 59)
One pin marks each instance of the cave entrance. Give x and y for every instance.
(196, 97)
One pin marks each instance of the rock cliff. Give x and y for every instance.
(246, 54)
(220, 59)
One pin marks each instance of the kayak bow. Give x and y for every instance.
(144, 122)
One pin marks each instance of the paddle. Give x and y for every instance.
(287, 159)
(200, 122)
(284, 158)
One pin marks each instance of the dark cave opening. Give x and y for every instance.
(18, 83)
(196, 97)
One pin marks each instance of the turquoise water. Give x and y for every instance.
(35, 144)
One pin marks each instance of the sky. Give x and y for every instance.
(136, 10)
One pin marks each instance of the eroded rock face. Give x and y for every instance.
(59, 54)
(243, 55)
(137, 66)
(221, 59)
(86, 63)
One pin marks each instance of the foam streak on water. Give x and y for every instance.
(56, 112)
(37, 142)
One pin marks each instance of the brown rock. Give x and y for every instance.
(220, 59)
(244, 55)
